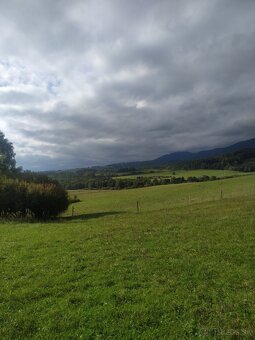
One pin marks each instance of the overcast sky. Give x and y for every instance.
(95, 82)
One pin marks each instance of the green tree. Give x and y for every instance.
(7, 155)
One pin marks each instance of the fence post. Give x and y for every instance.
(137, 206)
(221, 194)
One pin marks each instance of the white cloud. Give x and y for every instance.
(141, 104)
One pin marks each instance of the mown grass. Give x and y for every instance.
(183, 267)
(161, 197)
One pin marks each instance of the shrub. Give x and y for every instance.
(38, 200)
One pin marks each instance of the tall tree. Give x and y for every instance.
(7, 155)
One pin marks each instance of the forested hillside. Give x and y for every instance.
(242, 160)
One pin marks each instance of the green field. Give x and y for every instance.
(181, 268)
(184, 173)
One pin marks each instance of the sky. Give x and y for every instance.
(90, 82)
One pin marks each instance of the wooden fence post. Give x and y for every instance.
(137, 206)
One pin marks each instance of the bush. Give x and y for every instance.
(21, 198)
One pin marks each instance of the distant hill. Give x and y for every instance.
(241, 160)
(229, 158)
(185, 156)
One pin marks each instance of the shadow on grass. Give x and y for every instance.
(90, 215)
(60, 219)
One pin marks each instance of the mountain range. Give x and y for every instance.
(186, 155)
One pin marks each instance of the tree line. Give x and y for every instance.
(132, 183)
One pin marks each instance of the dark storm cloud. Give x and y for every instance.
(95, 82)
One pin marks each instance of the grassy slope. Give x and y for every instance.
(182, 267)
(186, 173)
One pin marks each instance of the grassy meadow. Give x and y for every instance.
(182, 267)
